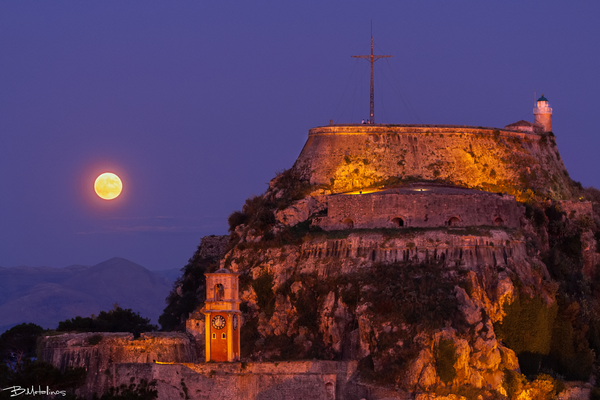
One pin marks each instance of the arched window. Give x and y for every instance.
(398, 222)
(348, 223)
(498, 221)
(330, 390)
(453, 221)
(219, 292)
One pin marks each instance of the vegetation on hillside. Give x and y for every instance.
(258, 211)
(188, 293)
(562, 339)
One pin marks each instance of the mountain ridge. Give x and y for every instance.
(46, 295)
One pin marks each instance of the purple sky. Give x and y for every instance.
(196, 104)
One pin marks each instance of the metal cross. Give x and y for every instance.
(372, 59)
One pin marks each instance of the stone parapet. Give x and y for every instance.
(421, 207)
(96, 352)
(351, 157)
(360, 129)
(297, 380)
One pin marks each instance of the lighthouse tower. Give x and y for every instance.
(222, 316)
(543, 115)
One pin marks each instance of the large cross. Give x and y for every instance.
(372, 59)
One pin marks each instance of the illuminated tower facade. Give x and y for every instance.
(543, 114)
(222, 316)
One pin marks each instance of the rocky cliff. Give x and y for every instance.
(440, 310)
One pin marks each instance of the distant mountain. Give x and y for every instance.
(46, 295)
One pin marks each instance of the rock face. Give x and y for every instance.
(345, 321)
(98, 352)
(353, 157)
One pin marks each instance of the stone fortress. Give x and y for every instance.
(396, 177)
(422, 206)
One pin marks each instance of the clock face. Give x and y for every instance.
(235, 322)
(218, 322)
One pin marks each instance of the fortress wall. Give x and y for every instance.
(75, 350)
(352, 157)
(421, 209)
(315, 380)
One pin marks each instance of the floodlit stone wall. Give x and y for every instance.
(299, 380)
(422, 207)
(98, 351)
(356, 156)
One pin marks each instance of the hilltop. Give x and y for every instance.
(391, 245)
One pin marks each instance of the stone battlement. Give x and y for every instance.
(422, 207)
(296, 380)
(352, 157)
(362, 129)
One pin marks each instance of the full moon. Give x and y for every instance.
(108, 186)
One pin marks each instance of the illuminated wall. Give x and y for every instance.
(526, 165)
(421, 206)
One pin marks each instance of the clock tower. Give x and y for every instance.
(222, 316)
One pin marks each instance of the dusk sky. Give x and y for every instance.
(196, 104)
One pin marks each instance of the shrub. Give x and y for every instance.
(527, 326)
(188, 293)
(94, 340)
(115, 320)
(445, 358)
(235, 219)
(513, 383)
(19, 341)
(265, 297)
(569, 354)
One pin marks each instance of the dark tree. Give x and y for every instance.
(188, 293)
(115, 320)
(19, 342)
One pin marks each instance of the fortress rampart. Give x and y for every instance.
(350, 157)
(169, 360)
(421, 206)
(297, 380)
(98, 351)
